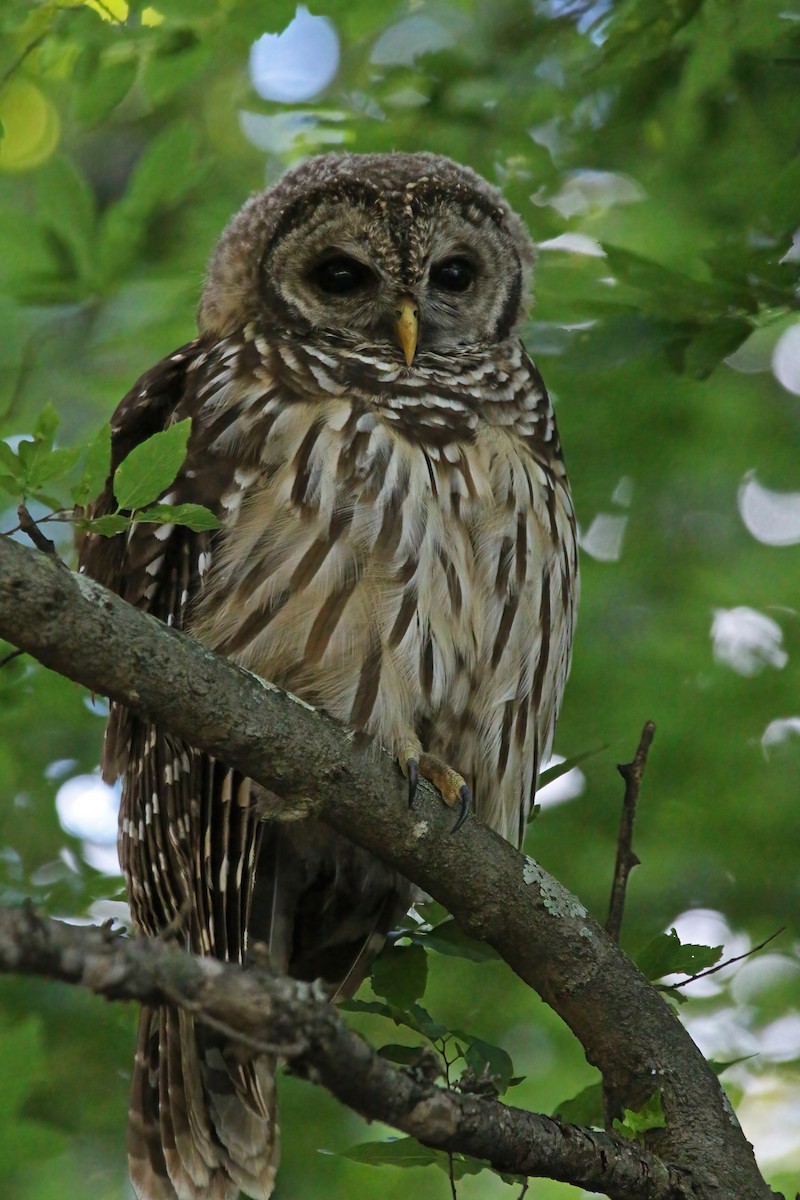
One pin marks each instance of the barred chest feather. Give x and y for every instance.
(402, 557)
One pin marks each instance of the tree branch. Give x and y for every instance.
(266, 1011)
(79, 629)
(632, 773)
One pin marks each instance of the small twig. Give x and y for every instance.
(10, 657)
(632, 773)
(451, 1174)
(29, 526)
(60, 514)
(450, 1168)
(729, 961)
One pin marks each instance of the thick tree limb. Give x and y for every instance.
(84, 632)
(264, 1010)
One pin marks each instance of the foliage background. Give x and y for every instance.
(668, 134)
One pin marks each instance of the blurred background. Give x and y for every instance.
(652, 150)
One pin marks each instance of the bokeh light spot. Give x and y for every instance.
(566, 787)
(772, 517)
(747, 641)
(31, 126)
(786, 359)
(603, 539)
(117, 10)
(87, 808)
(298, 63)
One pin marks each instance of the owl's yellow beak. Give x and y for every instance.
(407, 327)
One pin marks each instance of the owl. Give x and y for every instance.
(396, 546)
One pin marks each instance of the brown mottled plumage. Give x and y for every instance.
(397, 547)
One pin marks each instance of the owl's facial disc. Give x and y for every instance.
(442, 278)
(332, 247)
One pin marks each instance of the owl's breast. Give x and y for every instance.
(370, 572)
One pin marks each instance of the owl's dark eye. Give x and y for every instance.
(341, 275)
(453, 274)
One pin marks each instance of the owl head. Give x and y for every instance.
(399, 253)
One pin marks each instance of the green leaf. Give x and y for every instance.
(667, 955)
(418, 1018)
(151, 467)
(449, 938)
(431, 912)
(166, 172)
(415, 1017)
(23, 1137)
(483, 1058)
(650, 1116)
(397, 1053)
(178, 58)
(10, 462)
(782, 196)
(65, 204)
(615, 340)
(719, 1067)
(107, 526)
(408, 1152)
(28, 451)
(35, 462)
(102, 81)
(17, 323)
(462, 1164)
(54, 465)
(712, 344)
(373, 1007)
(640, 32)
(673, 296)
(559, 769)
(394, 1152)
(95, 468)
(48, 500)
(673, 994)
(46, 426)
(400, 973)
(198, 10)
(586, 1108)
(196, 516)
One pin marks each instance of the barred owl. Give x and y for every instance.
(396, 545)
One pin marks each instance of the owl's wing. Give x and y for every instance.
(200, 1124)
(146, 409)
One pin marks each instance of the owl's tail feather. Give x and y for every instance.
(200, 1126)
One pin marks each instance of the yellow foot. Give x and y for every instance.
(452, 787)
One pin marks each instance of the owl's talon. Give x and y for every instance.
(412, 771)
(451, 786)
(465, 796)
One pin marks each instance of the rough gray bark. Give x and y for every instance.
(89, 635)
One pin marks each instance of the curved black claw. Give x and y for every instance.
(412, 771)
(465, 796)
